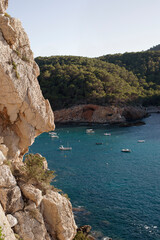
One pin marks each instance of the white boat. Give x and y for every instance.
(64, 148)
(126, 150)
(89, 130)
(141, 141)
(107, 134)
(53, 134)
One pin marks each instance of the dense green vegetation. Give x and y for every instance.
(155, 48)
(112, 79)
(146, 66)
(68, 80)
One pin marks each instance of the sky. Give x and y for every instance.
(88, 28)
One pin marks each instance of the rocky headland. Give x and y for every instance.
(29, 209)
(92, 114)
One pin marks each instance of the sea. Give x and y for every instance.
(117, 193)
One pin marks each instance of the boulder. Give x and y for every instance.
(6, 228)
(31, 193)
(31, 225)
(6, 178)
(58, 216)
(12, 220)
(11, 199)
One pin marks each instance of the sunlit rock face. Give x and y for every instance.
(24, 113)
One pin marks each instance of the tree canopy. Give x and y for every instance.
(70, 80)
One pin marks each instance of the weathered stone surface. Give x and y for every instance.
(6, 229)
(31, 225)
(32, 193)
(12, 220)
(98, 114)
(7, 30)
(2, 158)
(6, 178)
(4, 149)
(3, 6)
(58, 215)
(24, 113)
(11, 199)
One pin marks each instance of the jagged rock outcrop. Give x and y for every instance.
(32, 215)
(57, 212)
(24, 113)
(5, 226)
(99, 114)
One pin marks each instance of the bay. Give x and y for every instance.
(117, 193)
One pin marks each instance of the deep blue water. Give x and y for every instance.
(117, 193)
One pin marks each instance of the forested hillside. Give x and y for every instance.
(69, 80)
(146, 66)
(129, 78)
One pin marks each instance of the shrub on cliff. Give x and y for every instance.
(80, 236)
(35, 169)
(1, 234)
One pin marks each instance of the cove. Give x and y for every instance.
(117, 193)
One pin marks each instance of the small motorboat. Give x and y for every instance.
(99, 143)
(53, 134)
(89, 130)
(141, 141)
(126, 150)
(64, 148)
(107, 134)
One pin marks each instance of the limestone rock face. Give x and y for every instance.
(6, 178)
(32, 193)
(58, 215)
(3, 6)
(6, 229)
(11, 199)
(98, 114)
(24, 113)
(31, 226)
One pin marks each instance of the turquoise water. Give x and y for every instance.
(117, 193)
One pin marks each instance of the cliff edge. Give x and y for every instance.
(30, 208)
(24, 113)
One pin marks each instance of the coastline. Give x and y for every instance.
(91, 114)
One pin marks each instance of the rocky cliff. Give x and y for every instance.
(99, 114)
(28, 211)
(24, 113)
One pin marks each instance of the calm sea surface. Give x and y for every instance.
(117, 193)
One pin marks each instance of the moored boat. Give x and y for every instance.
(107, 134)
(65, 148)
(141, 141)
(126, 150)
(89, 130)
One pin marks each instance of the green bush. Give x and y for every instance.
(1, 234)
(80, 236)
(34, 167)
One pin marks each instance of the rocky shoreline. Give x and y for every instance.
(95, 114)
